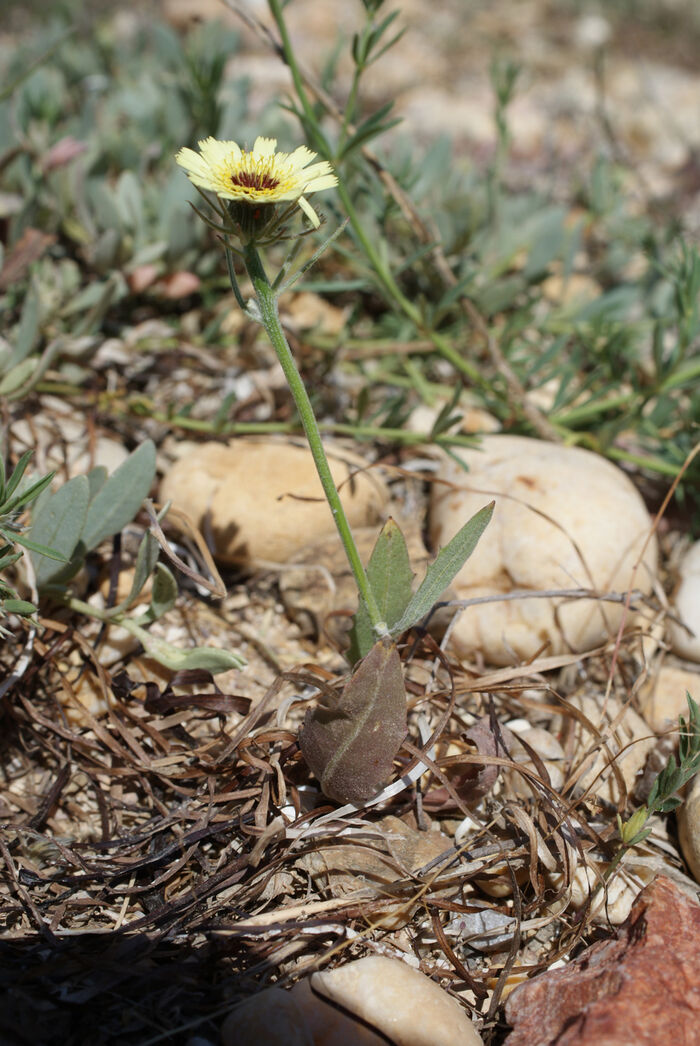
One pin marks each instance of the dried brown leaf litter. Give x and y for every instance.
(174, 829)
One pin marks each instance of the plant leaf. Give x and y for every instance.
(18, 606)
(444, 569)
(17, 473)
(209, 658)
(390, 578)
(59, 525)
(350, 744)
(164, 592)
(146, 559)
(119, 499)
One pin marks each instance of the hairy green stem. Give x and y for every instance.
(267, 303)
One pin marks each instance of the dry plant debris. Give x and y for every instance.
(165, 851)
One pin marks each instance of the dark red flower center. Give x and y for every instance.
(254, 180)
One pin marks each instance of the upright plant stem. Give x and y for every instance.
(384, 275)
(267, 303)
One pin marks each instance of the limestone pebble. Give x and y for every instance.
(686, 640)
(261, 500)
(367, 1002)
(565, 519)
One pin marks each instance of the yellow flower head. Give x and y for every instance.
(260, 176)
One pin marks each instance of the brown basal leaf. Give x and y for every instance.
(350, 745)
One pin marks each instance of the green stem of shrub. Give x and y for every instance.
(269, 314)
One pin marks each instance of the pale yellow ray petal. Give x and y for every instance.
(324, 181)
(192, 162)
(264, 147)
(300, 158)
(309, 212)
(216, 152)
(317, 169)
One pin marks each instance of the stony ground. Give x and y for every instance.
(152, 880)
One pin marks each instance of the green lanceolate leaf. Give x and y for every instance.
(97, 477)
(350, 744)
(146, 559)
(164, 592)
(211, 659)
(18, 376)
(444, 569)
(120, 497)
(58, 524)
(18, 606)
(14, 480)
(390, 578)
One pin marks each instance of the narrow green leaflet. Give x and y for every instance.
(34, 546)
(390, 578)
(146, 559)
(18, 376)
(58, 525)
(14, 480)
(164, 592)
(209, 658)
(18, 606)
(25, 497)
(444, 569)
(119, 499)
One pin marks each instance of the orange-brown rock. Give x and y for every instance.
(641, 987)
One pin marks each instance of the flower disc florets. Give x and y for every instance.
(259, 178)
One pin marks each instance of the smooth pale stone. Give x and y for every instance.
(629, 742)
(261, 501)
(565, 519)
(611, 904)
(663, 699)
(547, 748)
(687, 606)
(275, 1017)
(688, 820)
(62, 440)
(106, 452)
(400, 1002)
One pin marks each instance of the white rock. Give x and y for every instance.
(106, 452)
(612, 902)
(663, 698)
(687, 606)
(688, 819)
(262, 501)
(275, 1017)
(565, 519)
(547, 748)
(402, 1003)
(391, 1001)
(627, 739)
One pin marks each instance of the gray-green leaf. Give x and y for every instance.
(206, 657)
(58, 525)
(146, 559)
(164, 592)
(119, 499)
(390, 578)
(444, 569)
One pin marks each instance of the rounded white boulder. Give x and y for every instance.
(688, 818)
(262, 501)
(686, 640)
(364, 1003)
(565, 520)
